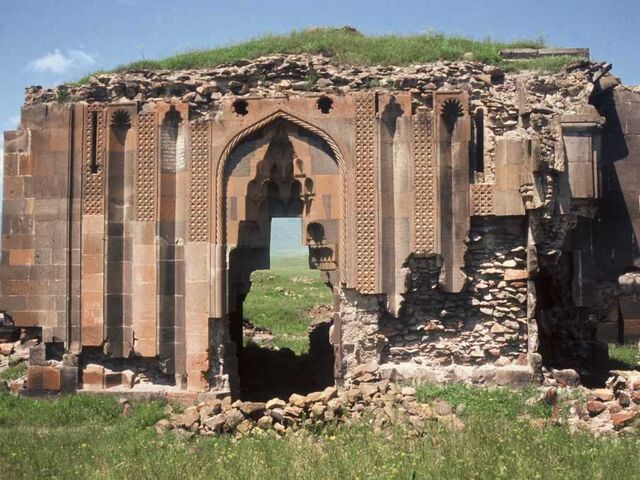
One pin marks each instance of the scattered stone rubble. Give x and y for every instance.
(609, 410)
(382, 403)
(15, 347)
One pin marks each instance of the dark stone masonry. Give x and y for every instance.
(473, 225)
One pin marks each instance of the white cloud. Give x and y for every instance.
(62, 62)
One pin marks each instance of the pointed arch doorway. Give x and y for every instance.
(282, 169)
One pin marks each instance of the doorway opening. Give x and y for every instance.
(287, 316)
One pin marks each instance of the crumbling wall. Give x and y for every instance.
(522, 291)
(361, 338)
(486, 322)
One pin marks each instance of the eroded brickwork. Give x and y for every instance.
(486, 323)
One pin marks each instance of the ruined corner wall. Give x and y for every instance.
(486, 322)
(40, 222)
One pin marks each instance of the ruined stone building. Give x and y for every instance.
(472, 225)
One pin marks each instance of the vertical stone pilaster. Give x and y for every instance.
(144, 250)
(197, 260)
(453, 133)
(120, 215)
(366, 194)
(425, 207)
(93, 226)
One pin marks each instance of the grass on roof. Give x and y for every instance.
(352, 48)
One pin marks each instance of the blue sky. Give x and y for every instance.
(45, 42)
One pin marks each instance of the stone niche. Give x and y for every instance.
(130, 230)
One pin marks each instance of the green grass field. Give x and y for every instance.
(79, 437)
(280, 299)
(83, 436)
(624, 356)
(14, 371)
(348, 47)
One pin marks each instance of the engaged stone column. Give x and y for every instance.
(453, 133)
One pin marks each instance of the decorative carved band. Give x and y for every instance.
(366, 197)
(199, 183)
(146, 174)
(425, 195)
(481, 199)
(93, 185)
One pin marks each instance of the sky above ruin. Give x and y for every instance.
(45, 42)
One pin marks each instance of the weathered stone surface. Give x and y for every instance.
(233, 418)
(265, 422)
(162, 425)
(408, 391)
(622, 419)
(450, 204)
(595, 407)
(275, 403)
(253, 409)
(190, 416)
(442, 408)
(567, 377)
(603, 394)
(298, 400)
(215, 423)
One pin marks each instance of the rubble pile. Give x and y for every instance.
(609, 410)
(15, 347)
(383, 403)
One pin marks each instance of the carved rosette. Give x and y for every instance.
(366, 197)
(146, 178)
(424, 211)
(199, 183)
(94, 145)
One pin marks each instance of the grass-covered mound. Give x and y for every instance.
(350, 47)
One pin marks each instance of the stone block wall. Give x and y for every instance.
(455, 215)
(37, 216)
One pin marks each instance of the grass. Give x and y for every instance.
(353, 48)
(86, 437)
(504, 402)
(625, 356)
(13, 372)
(542, 64)
(280, 299)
